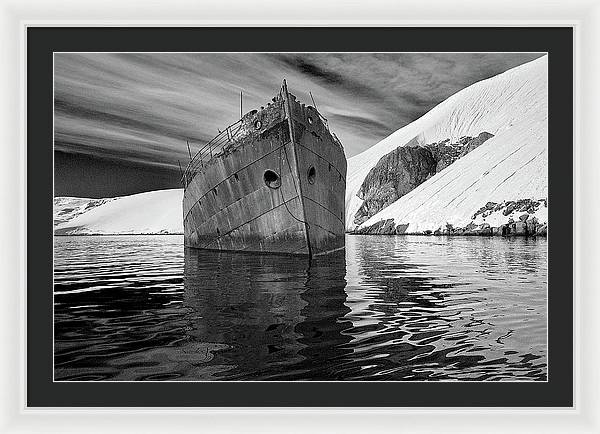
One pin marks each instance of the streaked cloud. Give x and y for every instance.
(141, 108)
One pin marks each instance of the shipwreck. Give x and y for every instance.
(272, 182)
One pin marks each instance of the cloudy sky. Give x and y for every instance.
(121, 120)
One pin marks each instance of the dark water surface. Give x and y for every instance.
(390, 308)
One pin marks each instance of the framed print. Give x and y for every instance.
(242, 268)
(342, 218)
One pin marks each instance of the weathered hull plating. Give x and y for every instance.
(278, 187)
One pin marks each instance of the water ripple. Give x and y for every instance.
(390, 308)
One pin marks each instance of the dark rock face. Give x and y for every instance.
(406, 167)
(529, 228)
(446, 153)
(393, 176)
(401, 228)
(526, 225)
(382, 227)
(527, 206)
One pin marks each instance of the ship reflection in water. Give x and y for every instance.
(390, 308)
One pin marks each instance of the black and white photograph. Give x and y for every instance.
(300, 217)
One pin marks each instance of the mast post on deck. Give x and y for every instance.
(313, 100)
(181, 173)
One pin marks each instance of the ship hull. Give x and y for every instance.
(233, 205)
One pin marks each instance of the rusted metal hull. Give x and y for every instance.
(278, 189)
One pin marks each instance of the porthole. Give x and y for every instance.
(310, 120)
(258, 125)
(312, 173)
(272, 179)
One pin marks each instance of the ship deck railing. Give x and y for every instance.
(224, 140)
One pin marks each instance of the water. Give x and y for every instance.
(391, 308)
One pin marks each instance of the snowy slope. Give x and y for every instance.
(67, 208)
(509, 166)
(145, 213)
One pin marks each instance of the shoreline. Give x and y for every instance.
(114, 235)
(421, 234)
(512, 224)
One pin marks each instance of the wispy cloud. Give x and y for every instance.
(142, 107)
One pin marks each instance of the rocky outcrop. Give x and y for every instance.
(406, 167)
(396, 174)
(508, 207)
(383, 227)
(446, 153)
(508, 218)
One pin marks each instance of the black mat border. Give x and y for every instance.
(43, 41)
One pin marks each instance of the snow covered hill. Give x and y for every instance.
(511, 165)
(154, 212)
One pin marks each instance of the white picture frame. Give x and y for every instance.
(583, 16)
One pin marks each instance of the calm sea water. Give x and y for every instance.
(391, 308)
